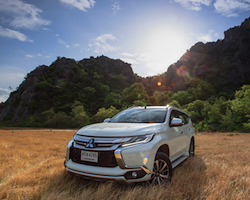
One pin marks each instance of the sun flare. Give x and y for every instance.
(164, 46)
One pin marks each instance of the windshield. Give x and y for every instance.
(140, 116)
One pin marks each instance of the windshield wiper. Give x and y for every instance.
(125, 121)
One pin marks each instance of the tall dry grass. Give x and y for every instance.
(31, 167)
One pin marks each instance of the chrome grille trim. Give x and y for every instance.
(112, 148)
(101, 143)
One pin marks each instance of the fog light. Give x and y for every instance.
(134, 174)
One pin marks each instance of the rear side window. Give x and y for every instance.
(180, 115)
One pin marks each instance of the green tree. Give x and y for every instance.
(112, 99)
(214, 115)
(175, 103)
(241, 106)
(59, 120)
(161, 98)
(227, 121)
(201, 89)
(40, 119)
(142, 102)
(183, 97)
(80, 117)
(134, 92)
(105, 113)
(198, 110)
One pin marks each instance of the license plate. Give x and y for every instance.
(89, 156)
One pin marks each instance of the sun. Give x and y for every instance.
(166, 43)
(164, 46)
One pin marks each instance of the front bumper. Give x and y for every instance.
(96, 177)
(136, 158)
(132, 159)
(118, 174)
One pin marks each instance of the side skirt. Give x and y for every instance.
(178, 161)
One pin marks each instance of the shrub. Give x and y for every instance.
(59, 120)
(105, 113)
(80, 117)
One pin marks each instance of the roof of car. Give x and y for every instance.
(152, 107)
(141, 107)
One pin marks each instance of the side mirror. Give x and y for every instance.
(176, 122)
(106, 120)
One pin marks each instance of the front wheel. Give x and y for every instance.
(162, 170)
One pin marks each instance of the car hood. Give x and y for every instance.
(118, 129)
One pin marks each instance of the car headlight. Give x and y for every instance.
(70, 143)
(68, 147)
(137, 139)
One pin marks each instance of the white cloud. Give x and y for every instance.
(129, 60)
(80, 4)
(103, 38)
(63, 42)
(100, 44)
(115, 6)
(145, 57)
(228, 8)
(48, 56)
(22, 15)
(231, 8)
(9, 77)
(29, 56)
(4, 94)
(5, 32)
(194, 4)
(128, 54)
(46, 29)
(208, 37)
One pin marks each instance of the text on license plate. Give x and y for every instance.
(89, 156)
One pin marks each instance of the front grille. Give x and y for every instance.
(96, 144)
(105, 158)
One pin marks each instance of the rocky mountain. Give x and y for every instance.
(225, 63)
(65, 81)
(217, 68)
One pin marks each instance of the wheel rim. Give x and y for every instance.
(160, 174)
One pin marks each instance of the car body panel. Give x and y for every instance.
(118, 129)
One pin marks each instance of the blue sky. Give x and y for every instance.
(149, 34)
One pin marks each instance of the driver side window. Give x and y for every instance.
(180, 115)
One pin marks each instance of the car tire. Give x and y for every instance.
(191, 148)
(162, 170)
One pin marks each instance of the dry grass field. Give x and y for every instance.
(31, 167)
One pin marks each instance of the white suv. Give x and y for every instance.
(138, 144)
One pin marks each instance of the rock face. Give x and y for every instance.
(58, 79)
(225, 63)
(106, 66)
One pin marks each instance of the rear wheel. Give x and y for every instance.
(162, 170)
(191, 148)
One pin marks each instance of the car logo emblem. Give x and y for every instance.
(90, 144)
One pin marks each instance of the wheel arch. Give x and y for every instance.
(164, 149)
